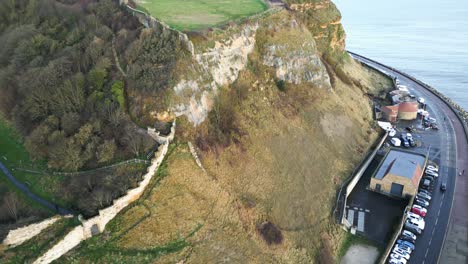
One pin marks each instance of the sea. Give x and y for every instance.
(427, 39)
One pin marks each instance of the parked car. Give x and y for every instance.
(392, 132)
(424, 196)
(417, 222)
(419, 210)
(404, 140)
(409, 234)
(414, 216)
(406, 243)
(431, 173)
(421, 202)
(407, 238)
(402, 253)
(425, 191)
(409, 128)
(443, 186)
(413, 228)
(397, 259)
(403, 248)
(425, 184)
(421, 100)
(432, 168)
(429, 178)
(395, 142)
(434, 126)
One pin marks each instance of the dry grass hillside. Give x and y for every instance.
(274, 153)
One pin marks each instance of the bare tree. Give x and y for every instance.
(12, 204)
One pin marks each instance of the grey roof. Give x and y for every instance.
(400, 163)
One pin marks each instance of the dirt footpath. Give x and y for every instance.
(362, 254)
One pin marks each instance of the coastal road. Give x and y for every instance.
(31, 195)
(451, 148)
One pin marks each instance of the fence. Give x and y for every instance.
(86, 171)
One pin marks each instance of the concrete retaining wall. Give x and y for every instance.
(99, 222)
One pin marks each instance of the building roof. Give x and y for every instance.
(402, 163)
(408, 107)
(390, 109)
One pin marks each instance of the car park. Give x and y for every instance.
(423, 196)
(405, 243)
(413, 228)
(443, 186)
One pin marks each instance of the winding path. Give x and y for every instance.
(25, 190)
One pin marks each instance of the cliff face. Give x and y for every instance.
(275, 111)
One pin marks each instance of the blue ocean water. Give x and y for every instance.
(427, 39)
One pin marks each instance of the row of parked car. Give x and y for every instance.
(415, 223)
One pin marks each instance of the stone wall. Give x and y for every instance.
(99, 222)
(20, 235)
(151, 22)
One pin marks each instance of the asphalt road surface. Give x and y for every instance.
(452, 159)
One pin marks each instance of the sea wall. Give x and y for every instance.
(97, 224)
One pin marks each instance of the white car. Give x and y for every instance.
(432, 173)
(418, 223)
(392, 132)
(397, 258)
(409, 136)
(421, 100)
(409, 234)
(414, 216)
(395, 142)
(432, 168)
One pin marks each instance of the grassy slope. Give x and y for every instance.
(296, 148)
(13, 154)
(195, 14)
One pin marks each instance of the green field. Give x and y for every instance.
(198, 14)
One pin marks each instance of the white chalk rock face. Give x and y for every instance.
(297, 64)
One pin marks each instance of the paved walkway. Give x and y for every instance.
(31, 195)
